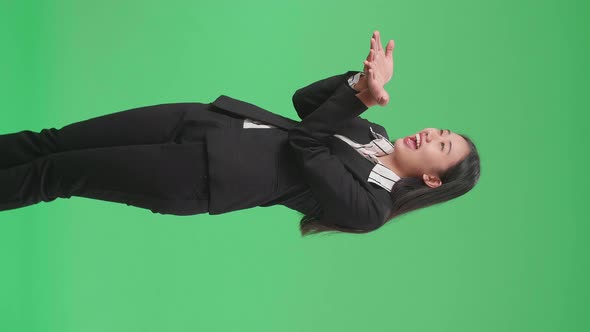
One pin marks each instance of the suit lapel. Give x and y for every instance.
(355, 162)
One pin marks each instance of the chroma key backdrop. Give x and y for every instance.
(510, 255)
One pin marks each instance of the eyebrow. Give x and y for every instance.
(450, 143)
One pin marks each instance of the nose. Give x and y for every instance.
(431, 135)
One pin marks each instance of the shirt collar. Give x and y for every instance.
(381, 175)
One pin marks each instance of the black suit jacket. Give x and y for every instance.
(272, 161)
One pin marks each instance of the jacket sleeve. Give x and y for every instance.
(309, 98)
(343, 199)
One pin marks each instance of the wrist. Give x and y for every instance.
(367, 98)
(362, 83)
(358, 82)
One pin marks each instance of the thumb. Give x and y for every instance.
(384, 99)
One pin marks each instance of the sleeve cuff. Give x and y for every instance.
(354, 79)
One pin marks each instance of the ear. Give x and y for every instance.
(432, 181)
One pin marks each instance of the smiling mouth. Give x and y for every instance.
(413, 142)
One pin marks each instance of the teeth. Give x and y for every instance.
(417, 141)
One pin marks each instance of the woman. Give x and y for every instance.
(338, 169)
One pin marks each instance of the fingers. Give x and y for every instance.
(367, 68)
(378, 40)
(370, 56)
(378, 47)
(389, 48)
(369, 63)
(376, 89)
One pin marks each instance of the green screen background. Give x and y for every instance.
(511, 255)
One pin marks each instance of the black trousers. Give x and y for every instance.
(151, 157)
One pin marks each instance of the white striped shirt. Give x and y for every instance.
(380, 175)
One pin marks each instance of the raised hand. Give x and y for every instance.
(379, 68)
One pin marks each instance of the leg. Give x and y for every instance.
(164, 178)
(156, 124)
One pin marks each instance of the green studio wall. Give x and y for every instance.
(511, 255)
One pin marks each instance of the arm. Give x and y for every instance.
(309, 98)
(344, 200)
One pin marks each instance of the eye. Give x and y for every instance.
(442, 146)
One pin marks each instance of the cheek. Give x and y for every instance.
(431, 155)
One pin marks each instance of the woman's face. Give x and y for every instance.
(436, 151)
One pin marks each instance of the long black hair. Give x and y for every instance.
(412, 193)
